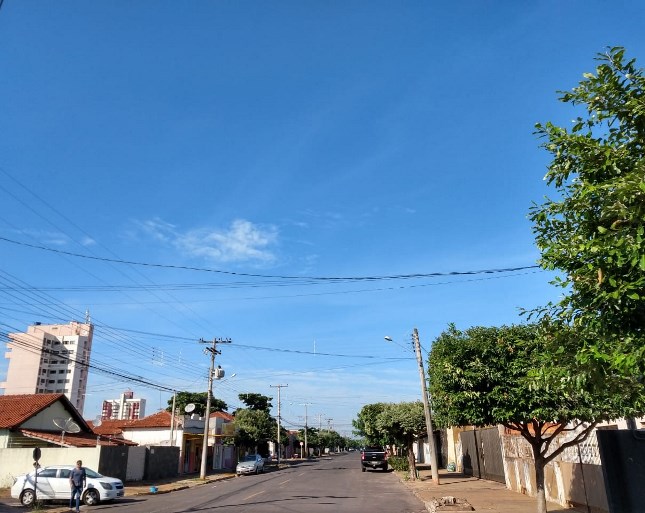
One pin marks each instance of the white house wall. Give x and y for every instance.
(152, 436)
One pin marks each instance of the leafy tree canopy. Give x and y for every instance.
(256, 401)
(594, 231)
(365, 424)
(527, 378)
(403, 423)
(199, 400)
(254, 427)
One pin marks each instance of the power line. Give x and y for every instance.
(273, 276)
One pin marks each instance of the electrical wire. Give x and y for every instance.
(272, 276)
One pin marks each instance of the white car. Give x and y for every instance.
(53, 484)
(251, 464)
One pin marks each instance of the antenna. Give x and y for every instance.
(189, 408)
(66, 426)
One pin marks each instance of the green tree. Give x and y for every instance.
(255, 401)
(404, 423)
(199, 400)
(254, 428)
(594, 231)
(527, 378)
(365, 424)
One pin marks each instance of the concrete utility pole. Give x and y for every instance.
(207, 414)
(172, 419)
(279, 446)
(426, 409)
(306, 449)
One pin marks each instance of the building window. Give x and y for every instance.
(65, 391)
(69, 371)
(62, 371)
(51, 381)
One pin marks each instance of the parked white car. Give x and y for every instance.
(53, 484)
(251, 464)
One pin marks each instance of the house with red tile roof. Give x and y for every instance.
(45, 420)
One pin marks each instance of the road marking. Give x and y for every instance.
(251, 496)
(283, 482)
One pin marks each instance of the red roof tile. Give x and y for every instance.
(74, 439)
(160, 419)
(16, 409)
(109, 427)
(222, 415)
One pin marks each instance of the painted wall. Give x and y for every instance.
(14, 462)
(573, 479)
(45, 419)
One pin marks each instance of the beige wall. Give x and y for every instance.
(14, 462)
(573, 479)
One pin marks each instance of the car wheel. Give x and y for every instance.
(27, 497)
(363, 469)
(91, 497)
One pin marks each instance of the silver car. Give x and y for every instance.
(53, 484)
(250, 464)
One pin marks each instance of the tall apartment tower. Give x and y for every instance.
(50, 358)
(124, 408)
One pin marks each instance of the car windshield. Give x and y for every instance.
(250, 457)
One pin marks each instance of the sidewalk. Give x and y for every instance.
(488, 496)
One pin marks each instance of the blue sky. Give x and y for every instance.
(280, 141)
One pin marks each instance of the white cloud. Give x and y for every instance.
(242, 241)
(158, 229)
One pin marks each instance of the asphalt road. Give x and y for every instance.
(328, 485)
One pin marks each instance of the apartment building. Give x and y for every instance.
(50, 358)
(125, 407)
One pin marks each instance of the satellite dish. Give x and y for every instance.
(189, 408)
(97, 422)
(66, 426)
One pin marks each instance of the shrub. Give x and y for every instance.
(399, 463)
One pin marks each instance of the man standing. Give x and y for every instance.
(77, 479)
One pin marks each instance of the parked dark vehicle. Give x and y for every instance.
(373, 457)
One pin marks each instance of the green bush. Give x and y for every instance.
(399, 463)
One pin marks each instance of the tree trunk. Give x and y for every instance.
(412, 462)
(539, 480)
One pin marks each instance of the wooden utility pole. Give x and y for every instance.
(426, 409)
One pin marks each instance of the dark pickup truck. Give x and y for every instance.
(373, 457)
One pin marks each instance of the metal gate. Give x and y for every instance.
(623, 466)
(482, 454)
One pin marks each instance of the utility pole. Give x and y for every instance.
(306, 449)
(172, 419)
(426, 409)
(279, 387)
(207, 414)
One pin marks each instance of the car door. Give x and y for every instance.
(61, 486)
(44, 489)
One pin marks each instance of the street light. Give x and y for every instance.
(434, 462)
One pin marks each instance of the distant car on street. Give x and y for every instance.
(250, 464)
(373, 457)
(53, 484)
